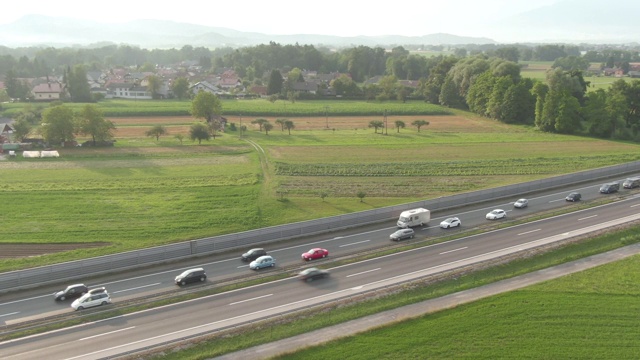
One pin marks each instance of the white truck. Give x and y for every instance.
(414, 217)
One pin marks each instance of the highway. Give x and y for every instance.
(38, 303)
(133, 331)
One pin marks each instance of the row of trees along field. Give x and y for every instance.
(490, 86)
(59, 124)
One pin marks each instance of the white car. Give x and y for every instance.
(521, 203)
(496, 214)
(450, 222)
(91, 300)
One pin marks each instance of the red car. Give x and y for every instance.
(315, 253)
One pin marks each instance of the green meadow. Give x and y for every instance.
(143, 192)
(253, 107)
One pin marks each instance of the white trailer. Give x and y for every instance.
(415, 217)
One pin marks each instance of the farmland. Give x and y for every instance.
(144, 192)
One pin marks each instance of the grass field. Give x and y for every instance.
(144, 192)
(587, 315)
(255, 107)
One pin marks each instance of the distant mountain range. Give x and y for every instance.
(565, 21)
(37, 30)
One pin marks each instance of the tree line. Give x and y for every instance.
(490, 86)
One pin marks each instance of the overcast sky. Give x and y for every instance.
(326, 17)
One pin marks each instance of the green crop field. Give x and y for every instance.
(143, 192)
(587, 315)
(256, 107)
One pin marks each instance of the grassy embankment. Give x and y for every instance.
(143, 193)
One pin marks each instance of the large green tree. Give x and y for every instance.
(199, 131)
(154, 84)
(21, 129)
(206, 106)
(569, 118)
(276, 83)
(77, 85)
(180, 88)
(15, 88)
(519, 103)
(91, 121)
(58, 125)
(595, 113)
(156, 131)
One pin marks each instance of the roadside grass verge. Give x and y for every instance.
(558, 306)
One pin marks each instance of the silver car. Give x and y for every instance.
(521, 203)
(262, 262)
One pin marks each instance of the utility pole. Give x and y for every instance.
(385, 122)
(240, 125)
(326, 115)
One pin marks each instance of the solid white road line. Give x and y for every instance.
(107, 333)
(529, 232)
(588, 217)
(136, 288)
(364, 272)
(450, 251)
(256, 298)
(355, 243)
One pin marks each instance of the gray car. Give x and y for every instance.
(521, 204)
(402, 234)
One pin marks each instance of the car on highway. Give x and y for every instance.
(91, 300)
(496, 214)
(262, 262)
(71, 291)
(190, 276)
(574, 196)
(521, 203)
(450, 222)
(311, 274)
(253, 254)
(402, 234)
(315, 253)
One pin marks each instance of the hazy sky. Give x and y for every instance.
(327, 17)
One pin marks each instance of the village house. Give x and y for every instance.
(127, 91)
(49, 91)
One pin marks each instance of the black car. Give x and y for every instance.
(72, 291)
(311, 274)
(574, 196)
(191, 275)
(253, 254)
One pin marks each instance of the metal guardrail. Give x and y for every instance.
(15, 280)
